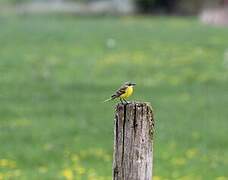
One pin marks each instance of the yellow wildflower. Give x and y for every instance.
(222, 178)
(68, 174)
(7, 163)
(178, 161)
(190, 153)
(3, 162)
(157, 178)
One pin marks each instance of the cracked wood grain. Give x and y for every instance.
(133, 142)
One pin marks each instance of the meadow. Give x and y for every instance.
(55, 71)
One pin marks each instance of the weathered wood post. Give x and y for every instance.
(133, 142)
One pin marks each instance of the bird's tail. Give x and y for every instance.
(109, 99)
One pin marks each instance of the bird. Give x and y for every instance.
(123, 92)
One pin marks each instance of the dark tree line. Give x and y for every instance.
(176, 6)
(149, 6)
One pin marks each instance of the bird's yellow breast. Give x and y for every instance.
(128, 92)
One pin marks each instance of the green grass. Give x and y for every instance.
(55, 71)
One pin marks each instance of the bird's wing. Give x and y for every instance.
(119, 92)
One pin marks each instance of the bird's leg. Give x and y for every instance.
(125, 101)
(121, 101)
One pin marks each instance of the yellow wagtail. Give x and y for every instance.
(123, 92)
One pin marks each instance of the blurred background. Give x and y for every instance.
(59, 59)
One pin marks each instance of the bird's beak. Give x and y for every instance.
(133, 84)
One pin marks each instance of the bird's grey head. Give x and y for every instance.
(130, 84)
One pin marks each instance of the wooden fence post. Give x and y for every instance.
(133, 142)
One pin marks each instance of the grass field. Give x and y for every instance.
(55, 71)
